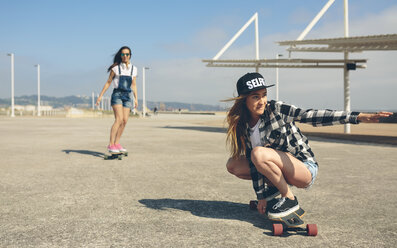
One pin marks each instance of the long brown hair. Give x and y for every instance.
(237, 119)
(117, 57)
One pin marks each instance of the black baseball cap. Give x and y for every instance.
(250, 82)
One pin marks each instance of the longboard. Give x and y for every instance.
(291, 222)
(118, 155)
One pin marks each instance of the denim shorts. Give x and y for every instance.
(313, 168)
(121, 97)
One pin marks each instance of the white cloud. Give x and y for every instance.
(188, 80)
(373, 24)
(383, 23)
(210, 38)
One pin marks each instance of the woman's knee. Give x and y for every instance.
(238, 167)
(261, 154)
(118, 121)
(124, 122)
(231, 166)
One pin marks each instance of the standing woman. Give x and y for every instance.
(123, 77)
(269, 149)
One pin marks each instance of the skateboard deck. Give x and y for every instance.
(291, 222)
(118, 155)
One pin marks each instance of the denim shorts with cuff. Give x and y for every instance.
(313, 168)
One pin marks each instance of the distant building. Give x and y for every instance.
(34, 108)
(46, 108)
(19, 107)
(30, 108)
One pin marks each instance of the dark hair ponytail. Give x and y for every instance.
(117, 58)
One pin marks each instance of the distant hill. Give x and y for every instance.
(55, 102)
(86, 102)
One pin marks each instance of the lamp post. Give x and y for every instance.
(12, 85)
(38, 90)
(143, 92)
(93, 100)
(277, 57)
(346, 78)
(99, 106)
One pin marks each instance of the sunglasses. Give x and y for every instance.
(125, 54)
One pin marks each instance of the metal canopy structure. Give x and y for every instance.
(344, 44)
(286, 63)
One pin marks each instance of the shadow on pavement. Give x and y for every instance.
(352, 138)
(202, 128)
(86, 152)
(212, 209)
(322, 137)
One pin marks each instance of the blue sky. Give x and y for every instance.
(74, 42)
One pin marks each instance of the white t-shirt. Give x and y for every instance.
(255, 136)
(125, 71)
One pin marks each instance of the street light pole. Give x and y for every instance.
(93, 100)
(277, 57)
(12, 85)
(346, 78)
(38, 90)
(143, 92)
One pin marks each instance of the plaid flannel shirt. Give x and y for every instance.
(278, 130)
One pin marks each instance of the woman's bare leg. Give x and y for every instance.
(281, 168)
(118, 120)
(239, 167)
(126, 114)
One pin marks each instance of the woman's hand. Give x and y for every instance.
(372, 118)
(98, 101)
(262, 206)
(135, 103)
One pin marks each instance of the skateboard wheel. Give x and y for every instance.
(311, 229)
(277, 229)
(253, 205)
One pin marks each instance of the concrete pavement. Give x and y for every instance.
(173, 190)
